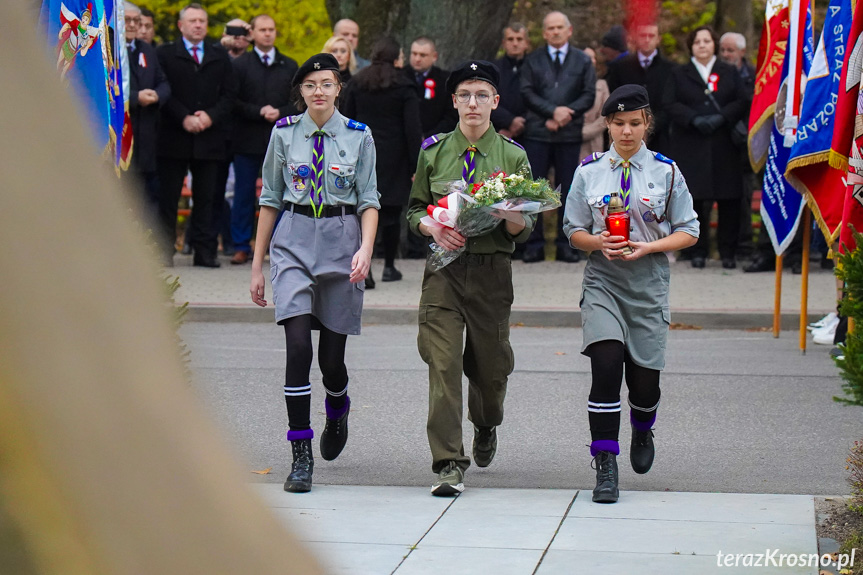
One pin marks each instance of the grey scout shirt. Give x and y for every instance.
(656, 210)
(349, 163)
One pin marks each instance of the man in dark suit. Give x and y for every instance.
(436, 111)
(148, 91)
(648, 68)
(509, 117)
(558, 83)
(147, 29)
(194, 130)
(264, 78)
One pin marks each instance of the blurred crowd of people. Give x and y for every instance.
(202, 115)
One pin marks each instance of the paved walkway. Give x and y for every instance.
(406, 531)
(546, 295)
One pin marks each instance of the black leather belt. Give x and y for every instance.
(326, 211)
(481, 259)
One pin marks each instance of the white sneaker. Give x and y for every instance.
(827, 328)
(830, 317)
(824, 336)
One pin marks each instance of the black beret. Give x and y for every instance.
(473, 70)
(627, 98)
(615, 38)
(316, 63)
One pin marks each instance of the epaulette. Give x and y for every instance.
(431, 141)
(354, 125)
(592, 158)
(511, 141)
(662, 158)
(288, 121)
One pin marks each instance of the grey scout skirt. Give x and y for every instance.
(310, 265)
(628, 302)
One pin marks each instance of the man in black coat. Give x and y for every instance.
(194, 130)
(509, 117)
(264, 95)
(148, 91)
(648, 68)
(558, 83)
(436, 110)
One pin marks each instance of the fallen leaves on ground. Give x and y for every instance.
(683, 326)
(560, 353)
(263, 471)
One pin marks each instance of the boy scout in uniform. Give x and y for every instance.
(474, 293)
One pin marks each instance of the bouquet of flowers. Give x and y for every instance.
(478, 209)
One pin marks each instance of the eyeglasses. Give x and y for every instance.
(308, 88)
(481, 97)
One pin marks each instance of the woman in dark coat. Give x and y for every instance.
(705, 98)
(384, 99)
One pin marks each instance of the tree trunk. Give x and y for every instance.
(461, 29)
(736, 16)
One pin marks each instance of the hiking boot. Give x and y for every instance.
(484, 445)
(335, 433)
(300, 478)
(641, 450)
(449, 481)
(606, 490)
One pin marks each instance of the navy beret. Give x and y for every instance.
(316, 63)
(627, 98)
(473, 70)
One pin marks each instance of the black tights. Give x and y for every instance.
(607, 361)
(331, 359)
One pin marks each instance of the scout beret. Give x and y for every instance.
(615, 38)
(473, 70)
(316, 63)
(627, 98)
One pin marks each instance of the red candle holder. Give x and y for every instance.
(618, 225)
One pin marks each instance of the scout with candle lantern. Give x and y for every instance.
(628, 207)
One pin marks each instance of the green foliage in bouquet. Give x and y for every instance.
(500, 186)
(850, 271)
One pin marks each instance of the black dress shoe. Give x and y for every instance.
(533, 255)
(641, 450)
(484, 445)
(391, 274)
(728, 263)
(335, 435)
(207, 263)
(567, 255)
(370, 281)
(606, 490)
(698, 262)
(300, 478)
(760, 264)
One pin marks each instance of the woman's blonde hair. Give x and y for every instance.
(331, 43)
(648, 119)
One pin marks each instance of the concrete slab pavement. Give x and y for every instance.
(405, 531)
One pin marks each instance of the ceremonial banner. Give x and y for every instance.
(771, 55)
(847, 149)
(808, 170)
(116, 59)
(76, 31)
(781, 205)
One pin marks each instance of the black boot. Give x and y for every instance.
(300, 478)
(606, 490)
(335, 433)
(641, 450)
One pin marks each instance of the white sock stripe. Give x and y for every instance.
(595, 404)
(336, 394)
(298, 388)
(605, 410)
(644, 409)
(289, 394)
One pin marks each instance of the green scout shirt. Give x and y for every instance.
(440, 163)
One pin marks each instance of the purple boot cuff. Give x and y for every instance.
(296, 435)
(610, 445)
(337, 413)
(642, 425)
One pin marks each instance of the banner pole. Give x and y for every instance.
(804, 278)
(777, 297)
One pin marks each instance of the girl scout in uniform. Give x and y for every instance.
(319, 172)
(624, 303)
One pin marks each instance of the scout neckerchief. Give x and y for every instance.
(469, 169)
(625, 183)
(317, 174)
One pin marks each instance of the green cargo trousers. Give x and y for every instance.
(472, 294)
